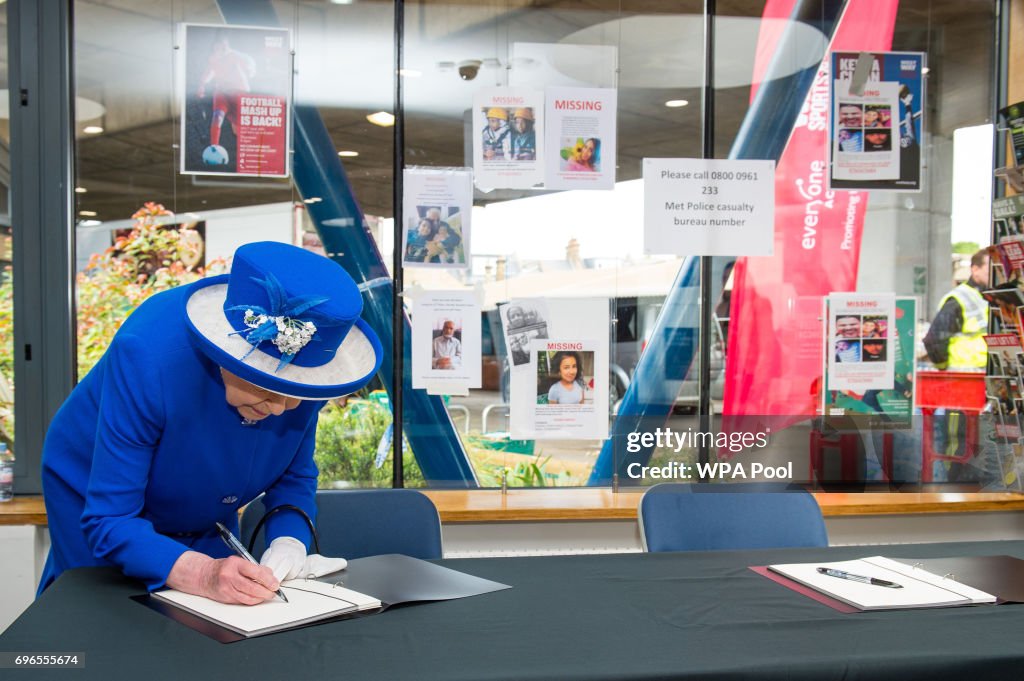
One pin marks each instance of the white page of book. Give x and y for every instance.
(920, 589)
(307, 601)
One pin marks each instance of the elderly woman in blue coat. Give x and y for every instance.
(207, 397)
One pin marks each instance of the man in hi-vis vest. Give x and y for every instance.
(956, 339)
(956, 342)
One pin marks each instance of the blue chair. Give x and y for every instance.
(366, 522)
(709, 517)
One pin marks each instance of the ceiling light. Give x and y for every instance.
(348, 153)
(676, 103)
(342, 2)
(410, 73)
(92, 130)
(89, 223)
(381, 118)
(80, 190)
(87, 213)
(312, 199)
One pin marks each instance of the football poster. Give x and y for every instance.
(236, 101)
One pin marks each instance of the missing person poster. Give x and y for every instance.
(236, 105)
(861, 338)
(561, 391)
(437, 206)
(883, 409)
(580, 125)
(508, 138)
(863, 147)
(446, 337)
(565, 389)
(876, 125)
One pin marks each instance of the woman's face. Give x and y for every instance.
(868, 328)
(253, 403)
(587, 152)
(567, 369)
(424, 228)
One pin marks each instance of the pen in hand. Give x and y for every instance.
(874, 581)
(237, 547)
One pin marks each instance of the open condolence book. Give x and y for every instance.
(308, 601)
(917, 587)
(365, 587)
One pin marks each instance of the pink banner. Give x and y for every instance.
(776, 336)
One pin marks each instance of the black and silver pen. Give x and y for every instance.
(874, 581)
(237, 547)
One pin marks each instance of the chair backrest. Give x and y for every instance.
(707, 517)
(365, 522)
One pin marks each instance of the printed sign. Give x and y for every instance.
(437, 208)
(884, 409)
(446, 341)
(863, 147)
(709, 207)
(508, 137)
(560, 391)
(580, 126)
(236, 106)
(876, 125)
(567, 383)
(861, 341)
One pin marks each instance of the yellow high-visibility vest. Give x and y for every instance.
(967, 349)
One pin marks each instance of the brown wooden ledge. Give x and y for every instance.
(480, 506)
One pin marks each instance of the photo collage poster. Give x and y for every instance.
(446, 337)
(861, 341)
(437, 206)
(882, 409)
(581, 127)
(236, 104)
(559, 374)
(508, 134)
(876, 134)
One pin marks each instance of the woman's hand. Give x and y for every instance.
(228, 580)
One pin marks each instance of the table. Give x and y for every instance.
(595, 618)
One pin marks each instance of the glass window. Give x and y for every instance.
(143, 226)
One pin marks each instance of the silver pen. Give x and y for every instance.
(874, 581)
(237, 547)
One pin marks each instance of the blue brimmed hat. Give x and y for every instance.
(286, 320)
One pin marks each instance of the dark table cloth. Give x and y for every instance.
(628, 616)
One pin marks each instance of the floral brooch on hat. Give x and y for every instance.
(280, 322)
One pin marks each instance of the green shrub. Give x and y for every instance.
(347, 438)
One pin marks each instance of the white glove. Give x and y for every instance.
(318, 566)
(285, 557)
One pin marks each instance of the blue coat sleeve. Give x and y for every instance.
(296, 486)
(131, 421)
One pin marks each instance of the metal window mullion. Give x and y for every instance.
(39, 40)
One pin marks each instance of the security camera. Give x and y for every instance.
(469, 68)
